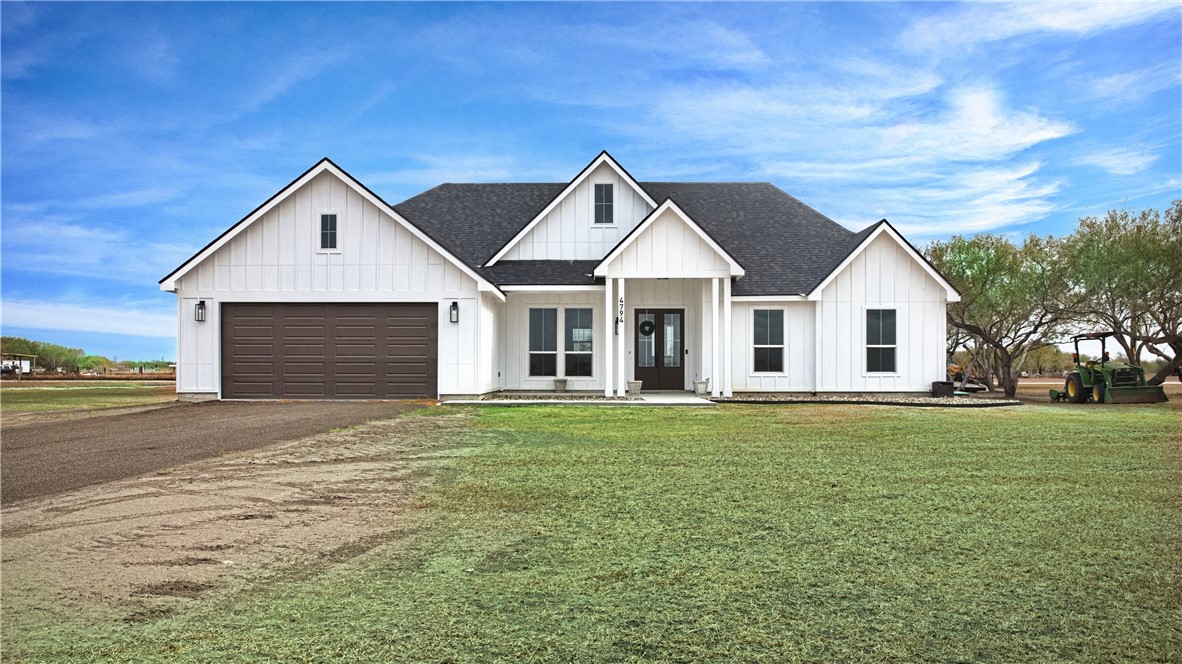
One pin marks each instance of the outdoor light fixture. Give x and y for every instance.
(199, 312)
(455, 312)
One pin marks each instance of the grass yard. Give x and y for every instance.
(741, 533)
(32, 396)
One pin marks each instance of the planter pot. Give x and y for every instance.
(559, 384)
(634, 386)
(702, 387)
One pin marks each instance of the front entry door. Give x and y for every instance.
(660, 354)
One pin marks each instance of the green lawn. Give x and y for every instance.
(742, 533)
(89, 394)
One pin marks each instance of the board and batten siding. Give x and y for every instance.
(569, 231)
(278, 259)
(514, 339)
(883, 276)
(799, 348)
(668, 248)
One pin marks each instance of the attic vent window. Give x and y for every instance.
(603, 204)
(328, 231)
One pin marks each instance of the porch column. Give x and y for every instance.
(609, 331)
(714, 373)
(621, 353)
(728, 345)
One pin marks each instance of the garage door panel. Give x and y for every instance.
(342, 351)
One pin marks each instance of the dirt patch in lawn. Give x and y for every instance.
(145, 547)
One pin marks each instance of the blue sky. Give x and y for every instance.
(133, 134)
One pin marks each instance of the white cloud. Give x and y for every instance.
(1119, 161)
(966, 26)
(131, 319)
(1133, 86)
(59, 245)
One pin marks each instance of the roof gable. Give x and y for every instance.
(864, 239)
(677, 246)
(604, 159)
(168, 283)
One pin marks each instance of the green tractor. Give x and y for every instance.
(1103, 381)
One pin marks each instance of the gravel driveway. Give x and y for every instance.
(44, 458)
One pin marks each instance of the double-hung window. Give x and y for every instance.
(880, 340)
(575, 355)
(328, 231)
(603, 204)
(769, 341)
(578, 342)
(543, 342)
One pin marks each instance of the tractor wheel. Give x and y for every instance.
(1098, 391)
(1074, 389)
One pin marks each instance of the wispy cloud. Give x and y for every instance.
(128, 319)
(1119, 161)
(1133, 86)
(966, 26)
(60, 245)
(291, 72)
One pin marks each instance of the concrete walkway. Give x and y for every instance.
(647, 399)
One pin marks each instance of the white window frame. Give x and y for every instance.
(564, 352)
(595, 206)
(866, 345)
(530, 352)
(784, 332)
(320, 233)
(560, 338)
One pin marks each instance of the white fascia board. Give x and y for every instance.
(601, 269)
(482, 284)
(770, 298)
(550, 289)
(951, 295)
(169, 283)
(603, 158)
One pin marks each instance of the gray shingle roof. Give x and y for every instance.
(785, 246)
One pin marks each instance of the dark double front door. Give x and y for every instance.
(660, 348)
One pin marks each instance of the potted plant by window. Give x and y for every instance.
(559, 384)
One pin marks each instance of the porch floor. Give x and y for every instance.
(650, 399)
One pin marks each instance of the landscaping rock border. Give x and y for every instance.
(872, 400)
(555, 397)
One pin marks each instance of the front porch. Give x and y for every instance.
(649, 399)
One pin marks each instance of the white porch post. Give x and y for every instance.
(728, 346)
(622, 377)
(609, 331)
(714, 373)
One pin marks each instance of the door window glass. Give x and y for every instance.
(672, 354)
(646, 343)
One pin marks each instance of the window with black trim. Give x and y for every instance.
(328, 231)
(769, 341)
(543, 342)
(603, 204)
(579, 332)
(880, 341)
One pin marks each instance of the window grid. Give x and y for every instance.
(768, 341)
(543, 342)
(880, 341)
(603, 204)
(328, 231)
(578, 349)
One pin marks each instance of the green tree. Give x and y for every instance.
(1013, 298)
(1128, 269)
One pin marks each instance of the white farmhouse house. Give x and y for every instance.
(326, 291)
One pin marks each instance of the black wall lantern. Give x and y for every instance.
(199, 312)
(455, 312)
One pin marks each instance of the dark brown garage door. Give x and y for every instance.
(329, 351)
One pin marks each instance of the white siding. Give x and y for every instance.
(668, 247)
(277, 259)
(883, 276)
(514, 348)
(568, 232)
(799, 348)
